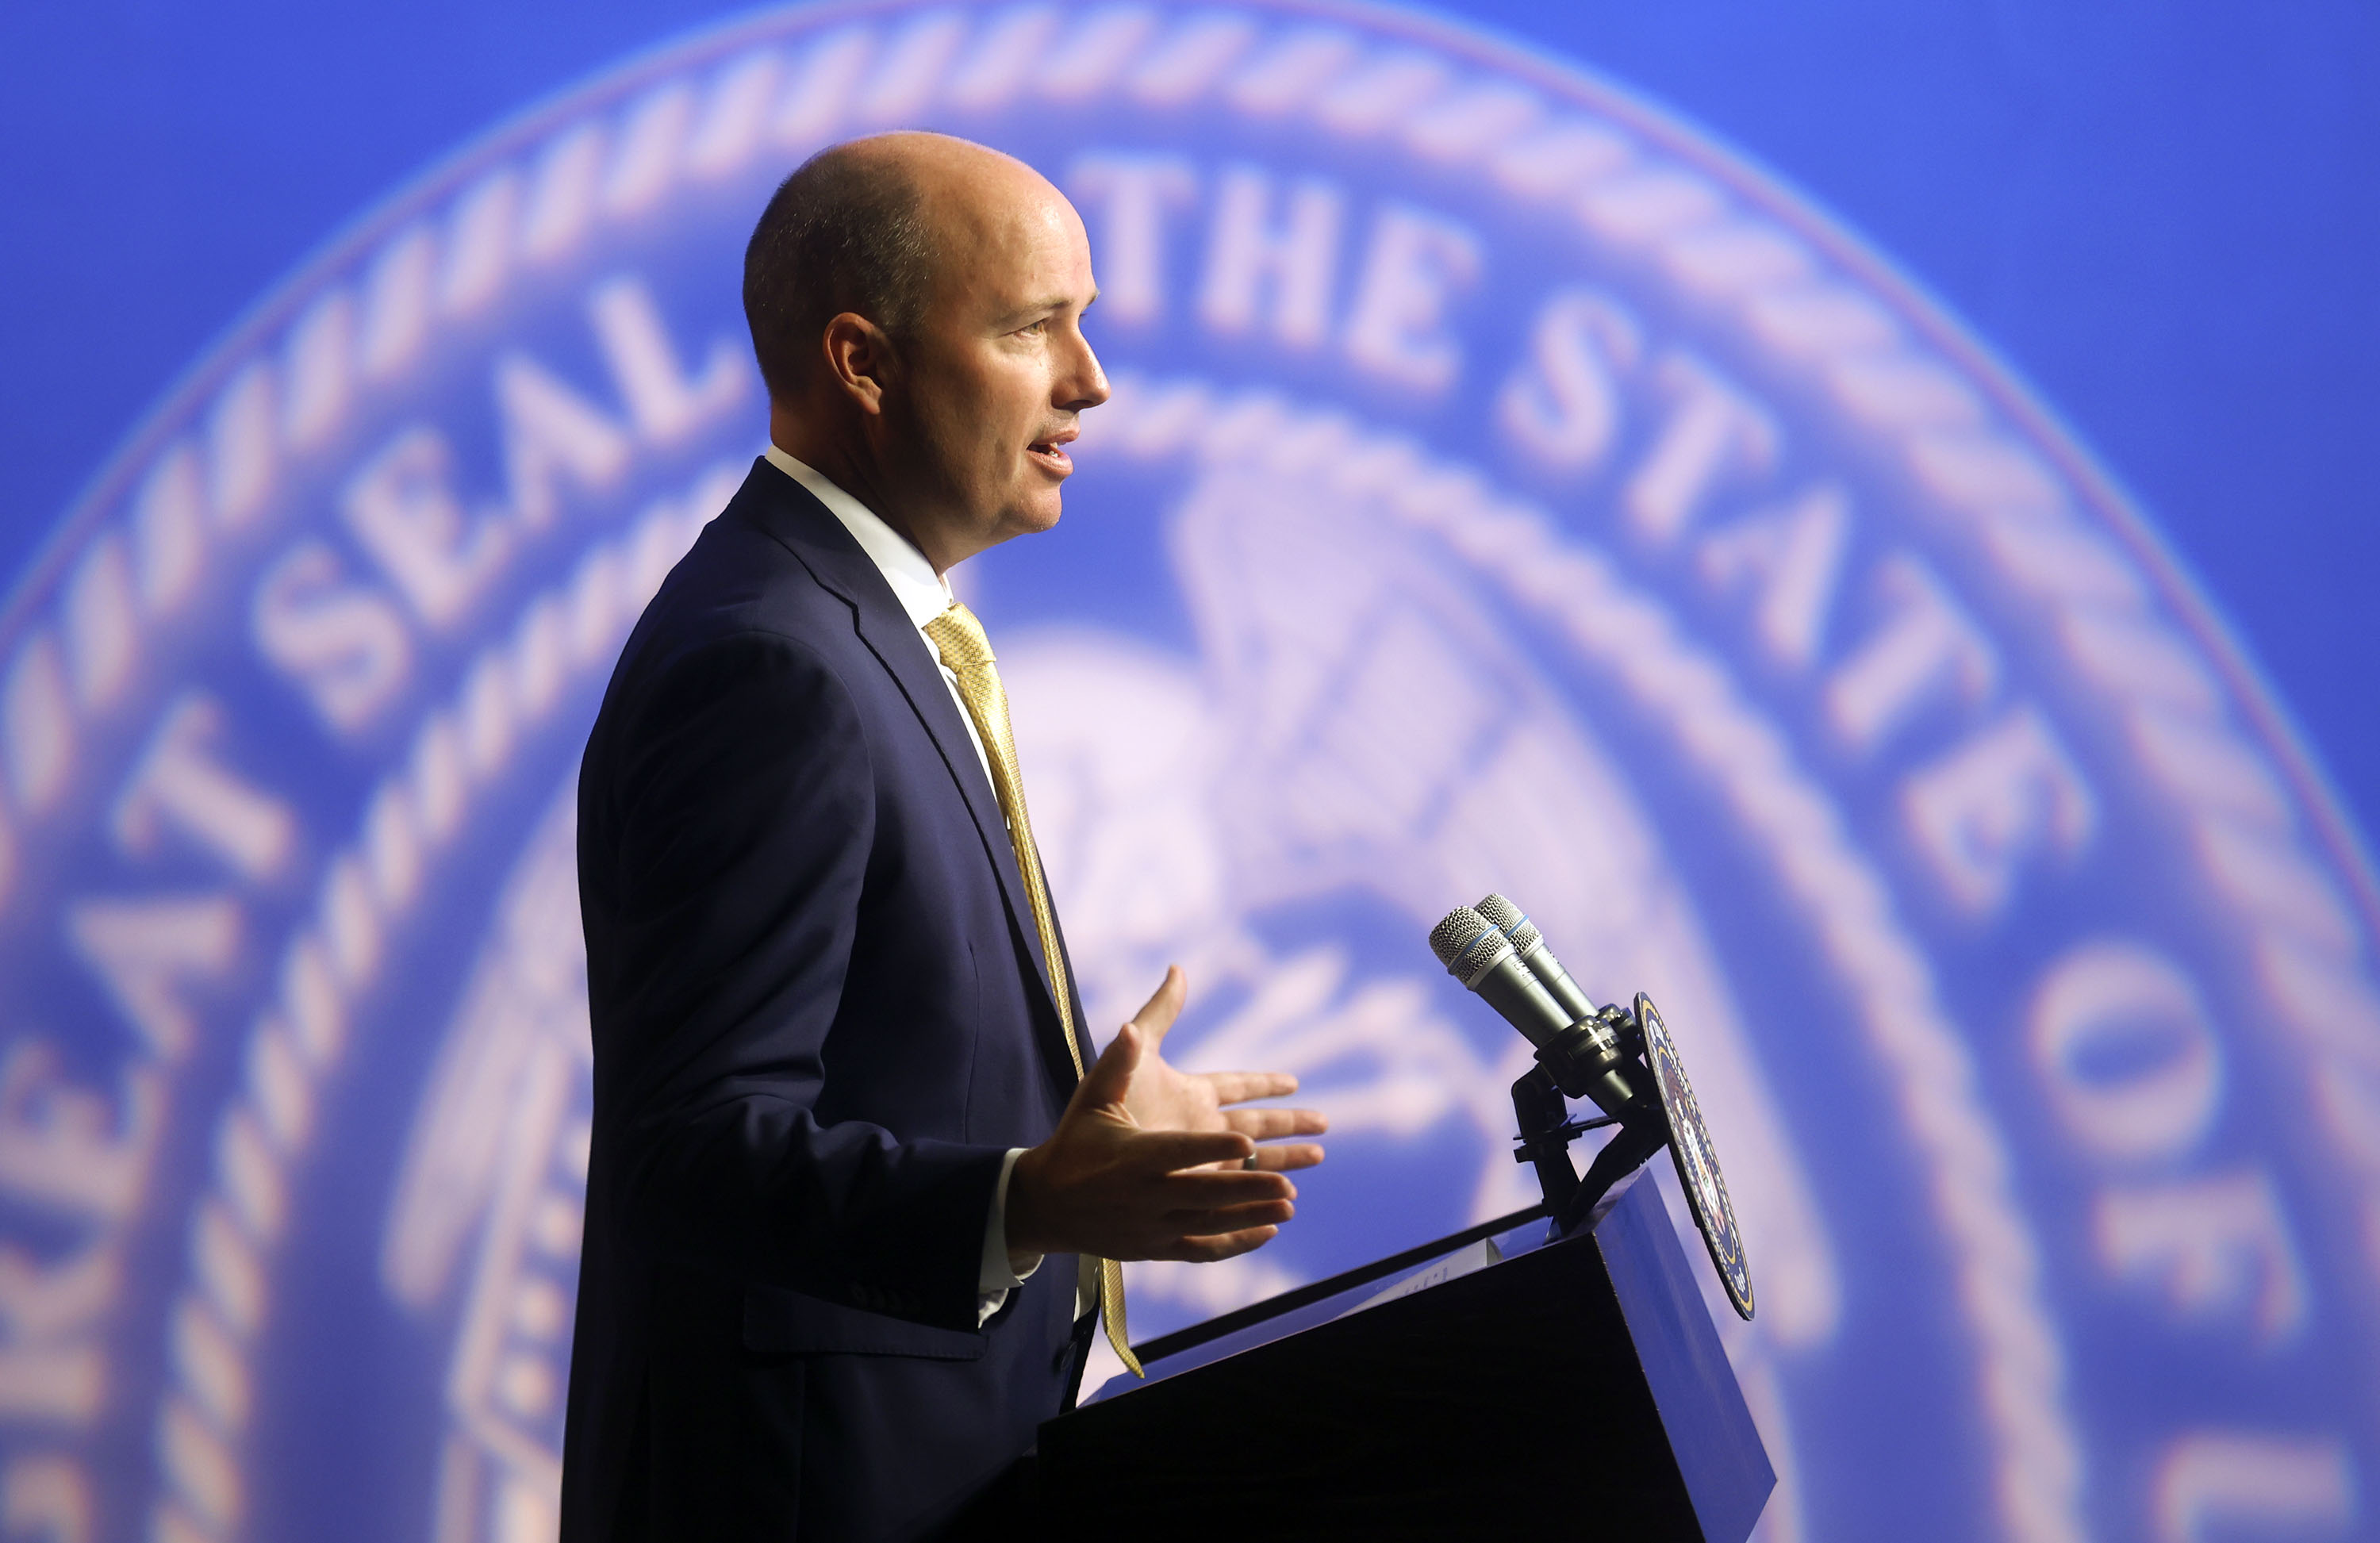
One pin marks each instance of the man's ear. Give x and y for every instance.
(858, 360)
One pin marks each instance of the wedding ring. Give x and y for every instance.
(1249, 1161)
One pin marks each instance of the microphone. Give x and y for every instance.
(1579, 1051)
(1530, 944)
(1623, 1059)
(1486, 961)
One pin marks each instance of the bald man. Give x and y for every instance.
(843, 1157)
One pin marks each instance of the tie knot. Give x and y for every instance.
(960, 639)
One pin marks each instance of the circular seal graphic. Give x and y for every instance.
(1505, 488)
(1696, 1159)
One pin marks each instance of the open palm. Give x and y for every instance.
(1146, 1162)
(1161, 1097)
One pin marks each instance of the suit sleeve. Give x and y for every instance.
(741, 814)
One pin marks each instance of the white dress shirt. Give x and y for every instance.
(924, 595)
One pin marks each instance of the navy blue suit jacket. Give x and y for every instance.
(820, 1019)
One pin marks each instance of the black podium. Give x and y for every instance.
(1570, 1389)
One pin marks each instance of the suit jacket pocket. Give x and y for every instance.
(779, 1322)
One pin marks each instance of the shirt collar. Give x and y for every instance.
(923, 593)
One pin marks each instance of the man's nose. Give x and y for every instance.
(1083, 384)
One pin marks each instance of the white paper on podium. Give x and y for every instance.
(1461, 1262)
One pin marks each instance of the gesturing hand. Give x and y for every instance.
(1160, 1098)
(1146, 1162)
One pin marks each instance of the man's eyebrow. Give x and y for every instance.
(1033, 309)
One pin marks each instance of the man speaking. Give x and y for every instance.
(844, 1143)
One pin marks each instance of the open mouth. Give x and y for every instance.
(1049, 452)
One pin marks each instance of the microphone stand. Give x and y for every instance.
(1584, 1057)
(1578, 1062)
(1547, 1131)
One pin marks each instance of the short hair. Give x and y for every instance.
(844, 232)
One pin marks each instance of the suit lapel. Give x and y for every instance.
(788, 512)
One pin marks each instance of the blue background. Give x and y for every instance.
(2165, 223)
(2166, 218)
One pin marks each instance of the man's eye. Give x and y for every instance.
(1032, 329)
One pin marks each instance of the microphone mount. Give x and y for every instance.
(1599, 1058)
(1622, 1059)
(1587, 1060)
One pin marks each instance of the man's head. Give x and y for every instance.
(916, 303)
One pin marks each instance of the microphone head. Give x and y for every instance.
(1466, 945)
(1457, 930)
(1511, 920)
(1499, 912)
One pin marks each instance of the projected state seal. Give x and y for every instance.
(1505, 488)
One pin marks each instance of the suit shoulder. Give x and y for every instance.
(716, 688)
(736, 578)
(738, 593)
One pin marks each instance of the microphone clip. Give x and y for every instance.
(1595, 1058)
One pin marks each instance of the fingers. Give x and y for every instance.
(1157, 1015)
(1283, 1159)
(1238, 1088)
(1266, 1124)
(1211, 1189)
(1165, 1151)
(1231, 1219)
(1112, 1074)
(1176, 1152)
(1209, 1250)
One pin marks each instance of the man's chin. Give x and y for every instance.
(1034, 515)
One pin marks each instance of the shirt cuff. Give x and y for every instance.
(996, 1275)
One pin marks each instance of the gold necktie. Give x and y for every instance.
(968, 653)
